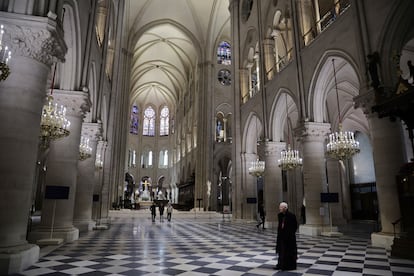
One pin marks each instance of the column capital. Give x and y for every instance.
(77, 102)
(312, 131)
(38, 38)
(93, 131)
(270, 148)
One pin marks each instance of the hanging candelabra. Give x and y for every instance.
(85, 151)
(5, 56)
(289, 158)
(257, 168)
(342, 144)
(98, 161)
(54, 124)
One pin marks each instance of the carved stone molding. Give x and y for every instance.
(77, 103)
(35, 37)
(365, 101)
(312, 131)
(270, 148)
(93, 131)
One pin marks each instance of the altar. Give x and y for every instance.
(145, 197)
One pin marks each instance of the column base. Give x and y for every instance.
(317, 230)
(104, 221)
(383, 240)
(67, 234)
(332, 234)
(16, 259)
(84, 225)
(101, 227)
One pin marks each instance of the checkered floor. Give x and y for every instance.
(190, 246)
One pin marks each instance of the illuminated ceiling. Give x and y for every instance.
(168, 38)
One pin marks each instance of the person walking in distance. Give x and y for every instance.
(161, 207)
(262, 215)
(286, 239)
(169, 211)
(153, 211)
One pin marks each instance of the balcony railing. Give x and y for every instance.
(338, 8)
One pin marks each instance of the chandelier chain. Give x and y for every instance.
(337, 94)
(53, 124)
(289, 159)
(342, 145)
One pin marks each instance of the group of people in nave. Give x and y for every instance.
(286, 247)
(161, 209)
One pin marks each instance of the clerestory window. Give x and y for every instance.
(149, 122)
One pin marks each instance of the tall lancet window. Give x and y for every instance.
(134, 120)
(224, 53)
(164, 121)
(163, 159)
(149, 122)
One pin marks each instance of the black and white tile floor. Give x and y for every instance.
(191, 246)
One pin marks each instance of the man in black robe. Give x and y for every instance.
(286, 239)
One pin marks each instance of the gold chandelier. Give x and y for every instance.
(98, 161)
(257, 168)
(5, 56)
(54, 124)
(342, 145)
(289, 159)
(85, 151)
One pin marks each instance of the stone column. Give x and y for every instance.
(269, 46)
(224, 129)
(273, 190)
(62, 171)
(338, 182)
(275, 34)
(317, 15)
(244, 84)
(258, 70)
(101, 186)
(307, 20)
(249, 79)
(387, 160)
(313, 136)
(82, 217)
(248, 190)
(34, 44)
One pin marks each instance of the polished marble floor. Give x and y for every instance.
(208, 245)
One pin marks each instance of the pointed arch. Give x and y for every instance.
(322, 83)
(252, 133)
(69, 72)
(278, 116)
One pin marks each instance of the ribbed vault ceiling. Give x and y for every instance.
(168, 38)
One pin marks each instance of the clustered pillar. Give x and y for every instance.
(57, 214)
(22, 96)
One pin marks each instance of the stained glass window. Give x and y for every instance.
(149, 122)
(224, 53)
(164, 121)
(134, 120)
